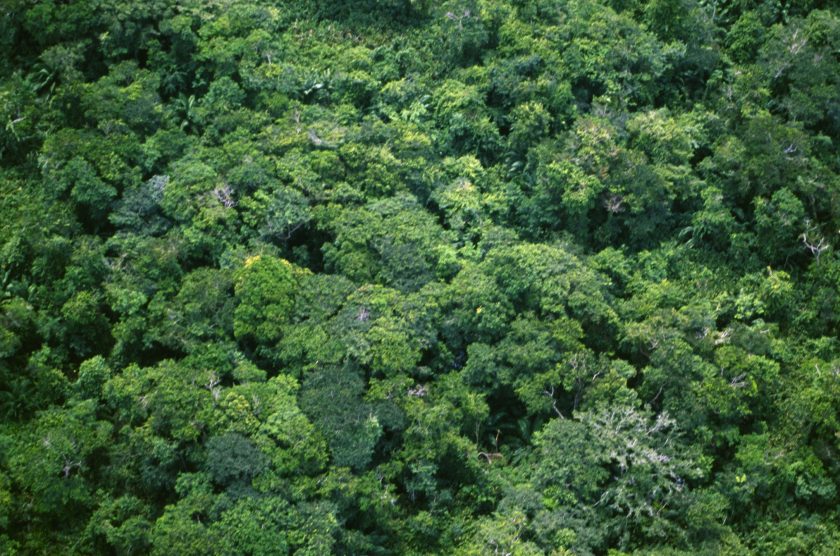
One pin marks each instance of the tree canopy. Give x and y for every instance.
(408, 277)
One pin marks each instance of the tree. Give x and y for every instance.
(617, 469)
(233, 460)
(392, 242)
(349, 424)
(265, 290)
(55, 460)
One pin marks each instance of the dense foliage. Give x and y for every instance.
(411, 277)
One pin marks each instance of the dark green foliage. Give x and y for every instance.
(405, 277)
(232, 459)
(332, 399)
